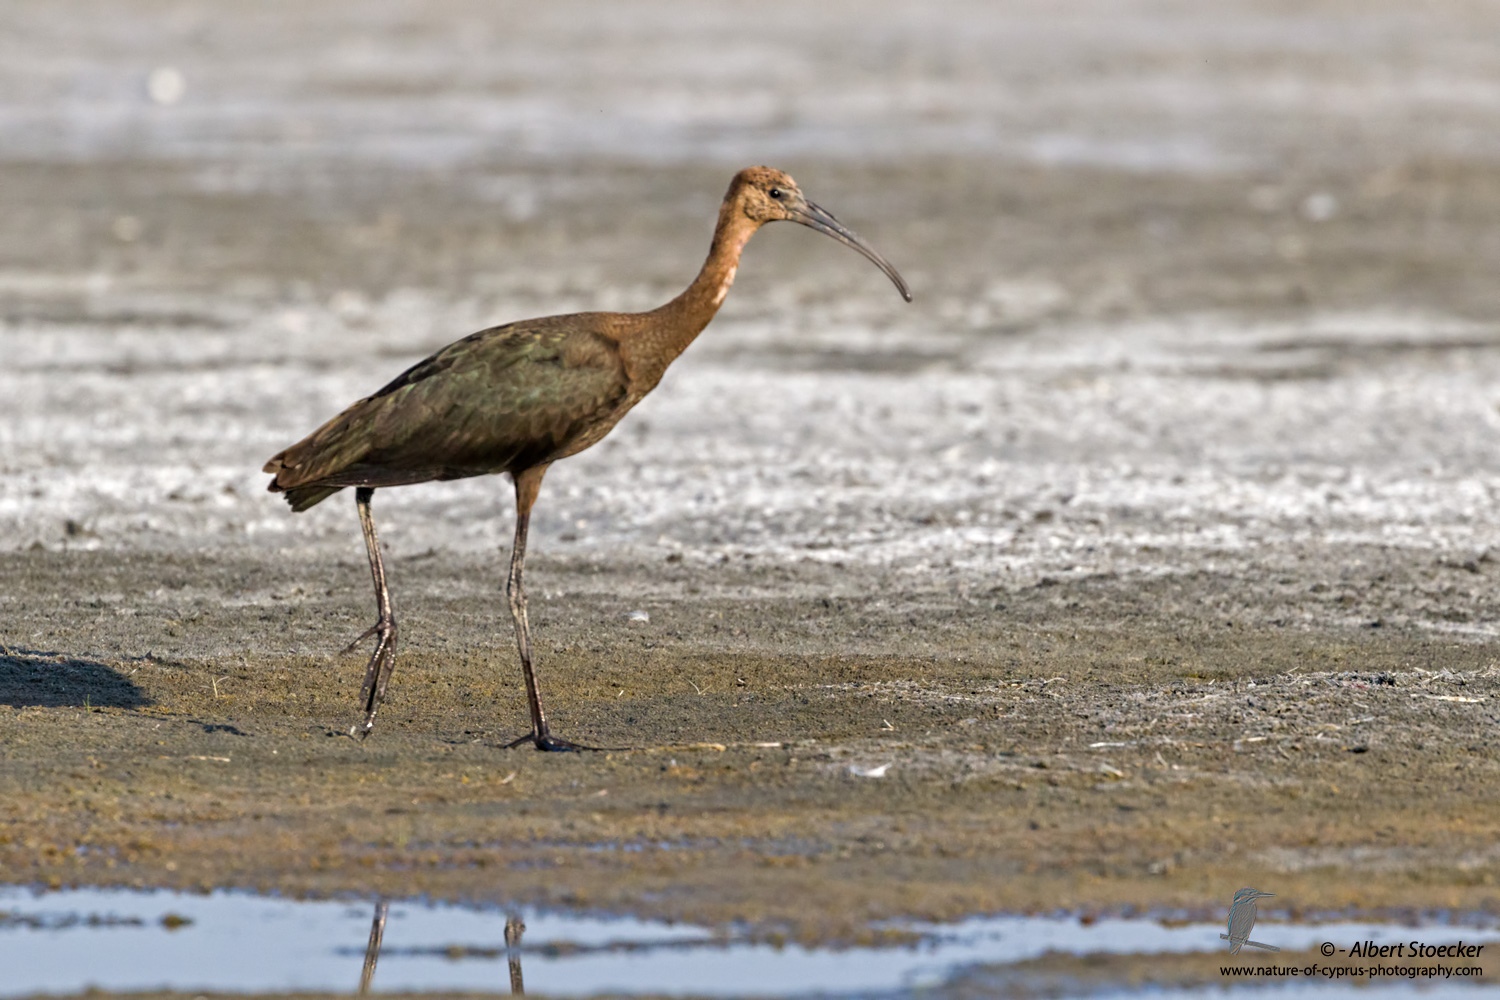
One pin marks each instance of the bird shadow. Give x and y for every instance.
(33, 678)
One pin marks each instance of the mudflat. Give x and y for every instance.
(802, 764)
(1147, 555)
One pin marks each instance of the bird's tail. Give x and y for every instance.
(303, 497)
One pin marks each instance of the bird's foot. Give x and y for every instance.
(377, 672)
(385, 628)
(546, 741)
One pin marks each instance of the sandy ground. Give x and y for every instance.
(1148, 551)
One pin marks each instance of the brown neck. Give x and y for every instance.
(671, 328)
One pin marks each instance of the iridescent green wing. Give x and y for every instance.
(505, 398)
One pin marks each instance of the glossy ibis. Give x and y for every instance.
(517, 398)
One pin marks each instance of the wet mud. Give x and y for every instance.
(1073, 750)
(1147, 555)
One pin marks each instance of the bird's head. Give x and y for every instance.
(765, 194)
(1250, 895)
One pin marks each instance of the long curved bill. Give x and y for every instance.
(813, 217)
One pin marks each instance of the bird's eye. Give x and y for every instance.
(775, 193)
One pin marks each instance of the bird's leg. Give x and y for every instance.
(383, 659)
(516, 594)
(527, 485)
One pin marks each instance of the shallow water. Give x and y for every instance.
(120, 940)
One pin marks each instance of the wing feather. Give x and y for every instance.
(503, 399)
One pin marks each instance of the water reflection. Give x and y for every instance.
(514, 928)
(372, 950)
